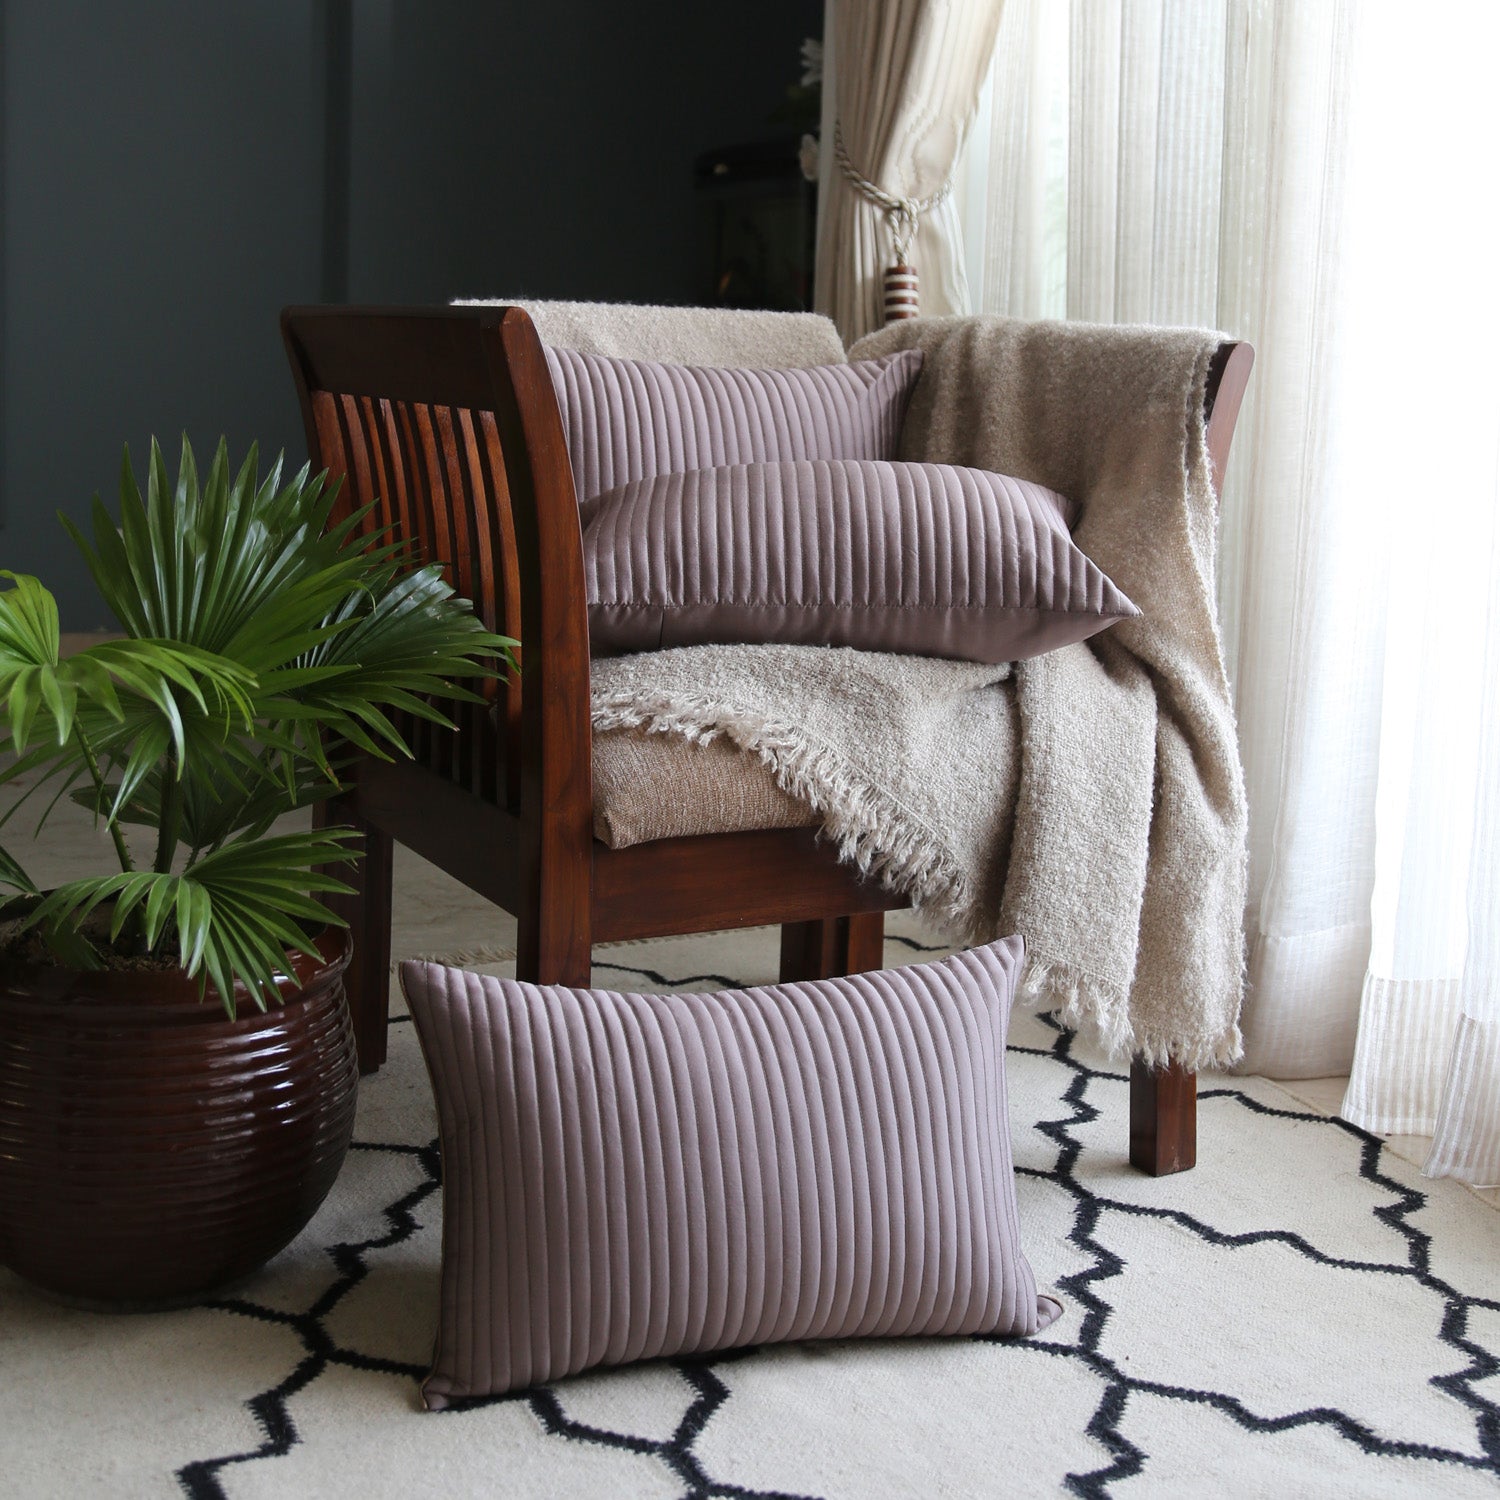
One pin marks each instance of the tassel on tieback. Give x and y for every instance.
(900, 287)
(902, 294)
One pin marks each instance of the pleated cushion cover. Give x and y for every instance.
(629, 419)
(628, 1176)
(926, 559)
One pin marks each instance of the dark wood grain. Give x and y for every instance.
(554, 940)
(724, 880)
(1163, 1119)
(832, 947)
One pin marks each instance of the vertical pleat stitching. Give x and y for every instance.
(759, 1168)
(726, 1086)
(599, 1134)
(827, 1160)
(759, 1010)
(682, 1172)
(630, 1194)
(560, 1115)
(934, 1176)
(653, 1268)
(626, 420)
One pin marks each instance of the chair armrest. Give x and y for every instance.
(1228, 379)
(556, 790)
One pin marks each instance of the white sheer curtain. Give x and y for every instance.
(1318, 177)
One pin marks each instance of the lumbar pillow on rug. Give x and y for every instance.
(627, 1176)
(928, 559)
(631, 419)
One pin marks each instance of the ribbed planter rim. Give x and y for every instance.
(166, 996)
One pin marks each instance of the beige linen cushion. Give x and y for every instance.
(661, 786)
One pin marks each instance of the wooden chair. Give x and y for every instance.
(446, 420)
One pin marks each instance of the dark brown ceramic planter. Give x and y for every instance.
(150, 1148)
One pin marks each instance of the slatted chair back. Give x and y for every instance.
(444, 423)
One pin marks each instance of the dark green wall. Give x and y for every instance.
(175, 172)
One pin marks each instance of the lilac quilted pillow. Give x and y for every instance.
(628, 1176)
(628, 419)
(928, 559)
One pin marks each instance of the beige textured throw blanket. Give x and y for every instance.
(1096, 803)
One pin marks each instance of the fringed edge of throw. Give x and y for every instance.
(874, 833)
(1100, 1013)
(1082, 1002)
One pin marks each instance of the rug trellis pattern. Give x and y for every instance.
(1302, 1314)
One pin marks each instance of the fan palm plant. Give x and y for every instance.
(258, 638)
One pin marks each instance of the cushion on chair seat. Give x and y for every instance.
(920, 558)
(662, 786)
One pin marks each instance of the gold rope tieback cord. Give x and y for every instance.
(902, 293)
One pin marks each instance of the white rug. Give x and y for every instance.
(1301, 1315)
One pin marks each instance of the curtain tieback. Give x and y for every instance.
(903, 216)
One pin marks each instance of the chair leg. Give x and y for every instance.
(551, 951)
(833, 946)
(1163, 1119)
(367, 981)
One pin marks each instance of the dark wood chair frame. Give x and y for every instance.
(446, 420)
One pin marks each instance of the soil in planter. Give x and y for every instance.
(28, 947)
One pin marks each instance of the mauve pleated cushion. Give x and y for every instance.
(627, 1176)
(928, 559)
(629, 419)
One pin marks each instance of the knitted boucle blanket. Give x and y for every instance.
(1095, 804)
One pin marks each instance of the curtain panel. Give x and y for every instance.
(902, 78)
(1310, 176)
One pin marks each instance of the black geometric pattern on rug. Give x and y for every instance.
(1088, 1287)
(200, 1479)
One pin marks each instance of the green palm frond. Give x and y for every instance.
(264, 642)
(30, 642)
(138, 756)
(196, 563)
(38, 685)
(222, 797)
(400, 644)
(235, 913)
(14, 876)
